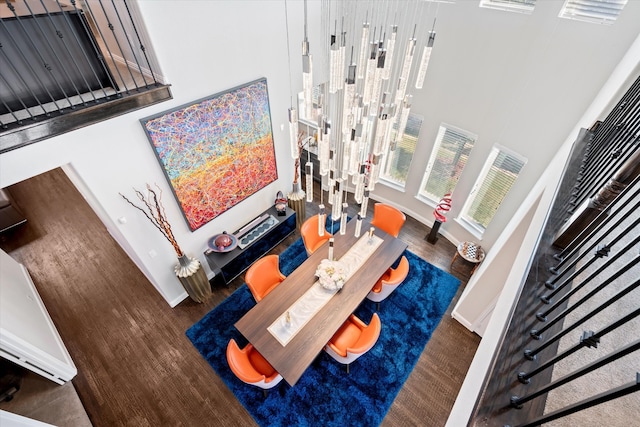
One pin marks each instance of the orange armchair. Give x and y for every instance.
(250, 367)
(310, 237)
(263, 276)
(353, 339)
(389, 281)
(388, 218)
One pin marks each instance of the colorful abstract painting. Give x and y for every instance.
(216, 151)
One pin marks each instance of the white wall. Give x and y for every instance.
(204, 48)
(518, 80)
(28, 336)
(541, 198)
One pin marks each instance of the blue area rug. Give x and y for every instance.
(325, 394)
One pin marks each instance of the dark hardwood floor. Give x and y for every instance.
(135, 365)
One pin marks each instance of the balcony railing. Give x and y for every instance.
(70, 64)
(573, 342)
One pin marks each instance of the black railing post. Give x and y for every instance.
(588, 339)
(598, 399)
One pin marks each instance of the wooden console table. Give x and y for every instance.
(228, 265)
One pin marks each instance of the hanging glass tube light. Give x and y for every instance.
(349, 98)
(322, 219)
(370, 73)
(293, 132)
(374, 171)
(358, 194)
(354, 154)
(358, 226)
(307, 82)
(391, 44)
(308, 169)
(343, 219)
(342, 59)
(403, 118)
(364, 204)
(346, 153)
(406, 69)
(330, 253)
(424, 61)
(378, 78)
(362, 57)
(307, 74)
(334, 64)
(336, 207)
(324, 147)
(382, 123)
(331, 186)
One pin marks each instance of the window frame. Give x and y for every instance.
(424, 197)
(602, 19)
(509, 5)
(383, 178)
(462, 217)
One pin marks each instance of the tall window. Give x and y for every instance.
(448, 158)
(498, 175)
(597, 11)
(396, 167)
(522, 6)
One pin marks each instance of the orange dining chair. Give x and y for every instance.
(389, 281)
(251, 368)
(353, 339)
(310, 237)
(388, 218)
(263, 276)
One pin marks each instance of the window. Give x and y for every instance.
(498, 175)
(522, 6)
(448, 158)
(396, 167)
(597, 11)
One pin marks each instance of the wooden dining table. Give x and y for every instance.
(292, 359)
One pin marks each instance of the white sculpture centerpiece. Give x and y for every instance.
(331, 274)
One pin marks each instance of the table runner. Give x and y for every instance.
(300, 312)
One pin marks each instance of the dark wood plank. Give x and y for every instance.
(135, 365)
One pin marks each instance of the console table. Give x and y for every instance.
(228, 265)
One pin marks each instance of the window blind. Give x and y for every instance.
(500, 172)
(448, 159)
(512, 5)
(398, 161)
(600, 11)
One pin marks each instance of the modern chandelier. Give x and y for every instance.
(374, 54)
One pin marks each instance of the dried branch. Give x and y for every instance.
(156, 214)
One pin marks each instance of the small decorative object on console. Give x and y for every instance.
(281, 204)
(223, 242)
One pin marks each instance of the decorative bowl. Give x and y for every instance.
(223, 242)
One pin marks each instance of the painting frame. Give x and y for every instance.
(216, 151)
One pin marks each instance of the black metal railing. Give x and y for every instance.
(59, 60)
(584, 279)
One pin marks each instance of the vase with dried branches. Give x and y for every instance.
(188, 270)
